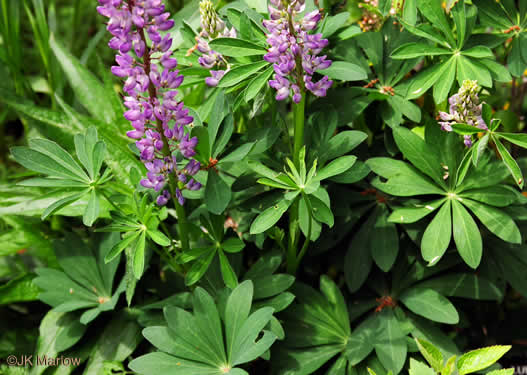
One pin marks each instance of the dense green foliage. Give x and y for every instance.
(376, 228)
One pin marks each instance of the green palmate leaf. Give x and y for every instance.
(497, 221)
(478, 52)
(158, 237)
(208, 321)
(498, 195)
(436, 237)
(238, 154)
(480, 359)
(58, 332)
(52, 182)
(416, 50)
(139, 255)
(519, 139)
(195, 343)
(86, 281)
(509, 161)
(163, 363)
(333, 23)
(410, 11)
(419, 153)
(385, 243)
(342, 143)
(470, 68)
(217, 193)
(345, 71)
(407, 185)
(498, 71)
(433, 11)
(92, 210)
(270, 216)
(39, 162)
(228, 274)
(443, 86)
(262, 170)
(465, 129)
(358, 260)
(120, 246)
(238, 74)
(235, 47)
(310, 359)
(99, 152)
(237, 310)
(425, 79)
(233, 245)
(464, 285)
(412, 214)
(459, 14)
(199, 267)
(390, 346)
(118, 340)
(430, 304)
(321, 212)
(19, 289)
(257, 84)
(59, 155)
(335, 167)
(120, 160)
(466, 235)
(432, 354)
(54, 207)
(195, 253)
(271, 285)
(480, 147)
(88, 89)
(425, 31)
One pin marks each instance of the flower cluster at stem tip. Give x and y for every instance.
(465, 108)
(151, 79)
(293, 51)
(212, 27)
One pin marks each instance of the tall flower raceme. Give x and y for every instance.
(212, 27)
(465, 108)
(294, 52)
(151, 79)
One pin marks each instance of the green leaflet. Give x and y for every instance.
(466, 235)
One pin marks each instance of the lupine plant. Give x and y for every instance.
(290, 187)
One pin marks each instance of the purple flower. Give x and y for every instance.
(156, 115)
(464, 108)
(163, 198)
(291, 44)
(215, 79)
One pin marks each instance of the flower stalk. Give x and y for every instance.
(151, 80)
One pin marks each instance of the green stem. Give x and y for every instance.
(299, 128)
(294, 232)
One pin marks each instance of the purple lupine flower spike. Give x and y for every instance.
(464, 108)
(291, 44)
(156, 115)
